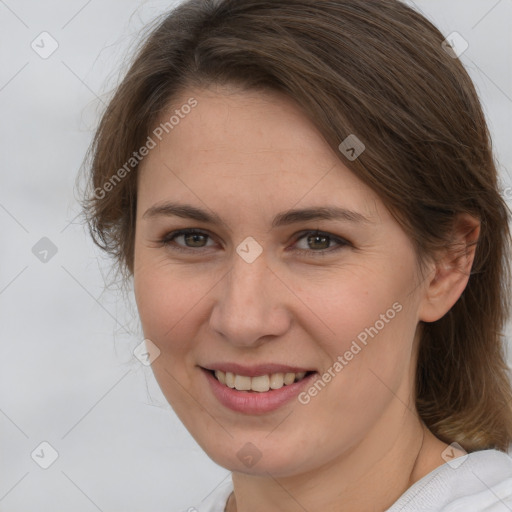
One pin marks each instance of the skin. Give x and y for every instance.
(357, 445)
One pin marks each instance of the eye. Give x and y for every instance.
(317, 243)
(193, 239)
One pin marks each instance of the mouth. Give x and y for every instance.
(260, 383)
(257, 389)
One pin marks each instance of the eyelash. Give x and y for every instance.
(168, 241)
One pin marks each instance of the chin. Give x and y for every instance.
(257, 458)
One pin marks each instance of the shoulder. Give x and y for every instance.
(216, 500)
(478, 481)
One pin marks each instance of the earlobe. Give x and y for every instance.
(452, 270)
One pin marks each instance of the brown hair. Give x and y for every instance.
(376, 69)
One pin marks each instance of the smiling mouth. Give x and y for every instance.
(259, 384)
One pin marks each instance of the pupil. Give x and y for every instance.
(319, 237)
(195, 238)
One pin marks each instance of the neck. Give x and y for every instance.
(365, 478)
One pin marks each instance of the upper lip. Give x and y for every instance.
(255, 370)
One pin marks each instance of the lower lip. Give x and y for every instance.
(254, 402)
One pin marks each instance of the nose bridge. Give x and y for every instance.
(248, 305)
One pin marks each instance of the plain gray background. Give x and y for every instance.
(68, 376)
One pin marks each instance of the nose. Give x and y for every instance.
(250, 304)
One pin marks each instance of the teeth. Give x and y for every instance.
(230, 379)
(261, 384)
(289, 378)
(277, 380)
(242, 383)
(221, 377)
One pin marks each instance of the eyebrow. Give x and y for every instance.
(284, 218)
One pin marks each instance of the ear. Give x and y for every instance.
(451, 270)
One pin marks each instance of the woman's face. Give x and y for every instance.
(255, 291)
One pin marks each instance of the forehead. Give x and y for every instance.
(255, 147)
(236, 125)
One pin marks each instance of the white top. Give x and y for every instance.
(478, 482)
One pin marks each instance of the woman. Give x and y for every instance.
(304, 194)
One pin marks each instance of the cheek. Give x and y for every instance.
(361, 303)
(369, 358)
(164, 302)
(372, 317)
(166, 310)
